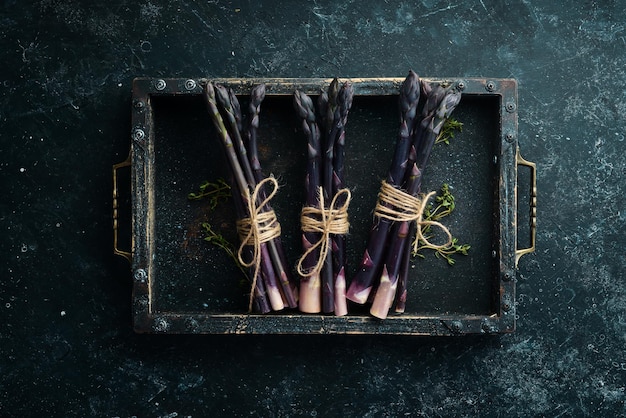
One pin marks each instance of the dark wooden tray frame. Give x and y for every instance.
(141, 162)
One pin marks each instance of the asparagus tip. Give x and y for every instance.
(209, 91)
(304, 106)
(344, 99)
(222, 95)
(258, 91)
(333, 90)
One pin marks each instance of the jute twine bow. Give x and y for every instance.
(261, 226)
(326, 221)
(397, 205)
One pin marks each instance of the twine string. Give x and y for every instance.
(325, 221)
(259, 227)
(399, 206)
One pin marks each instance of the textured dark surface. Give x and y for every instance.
(67, 345)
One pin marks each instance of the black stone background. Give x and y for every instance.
(67, 347)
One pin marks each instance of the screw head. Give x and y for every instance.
(139, 134)
(509, 137)
(456, 326)
(510, 107)
(160, 85)
(139, 104)
(140, 275)
(460, 85)
(490, 86)
(190, 84)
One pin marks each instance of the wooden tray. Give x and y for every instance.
(184, 285)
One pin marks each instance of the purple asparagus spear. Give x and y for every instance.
(310, 287)
(392, 267)
(371, 264)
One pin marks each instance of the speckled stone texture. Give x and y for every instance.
(67, 347)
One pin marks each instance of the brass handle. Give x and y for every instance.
(533, 207)
(126, 254)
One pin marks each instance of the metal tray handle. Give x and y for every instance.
(126, 254)
(533, 207)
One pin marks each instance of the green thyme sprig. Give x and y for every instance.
(445, 204)
(453, 248)
(450, 127)
(219, 241)
(215, 192)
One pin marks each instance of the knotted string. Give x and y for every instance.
(326, 221)
(261, 226)
(399, 206)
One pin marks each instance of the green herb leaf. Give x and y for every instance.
(215, 192)
(445, 206)
(450, 126)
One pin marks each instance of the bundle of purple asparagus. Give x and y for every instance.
(384, 266)
(324, 217)
(260, 250)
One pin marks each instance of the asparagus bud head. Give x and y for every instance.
(409, 93)
(222, 96)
